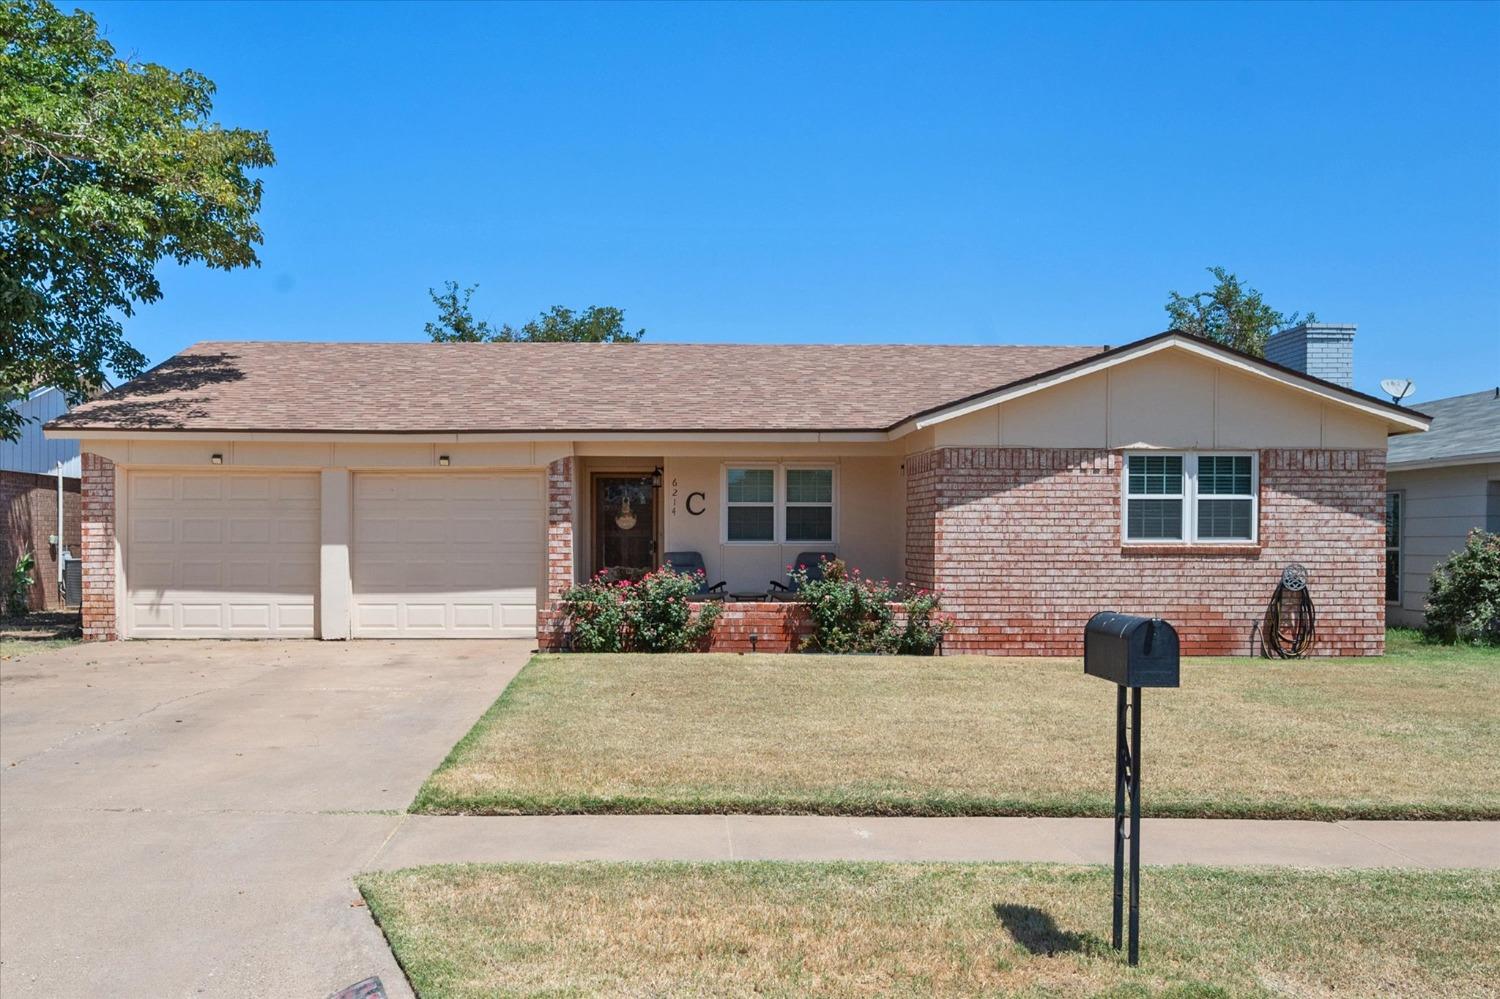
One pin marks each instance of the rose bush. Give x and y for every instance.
(852, 614)
(652, 614)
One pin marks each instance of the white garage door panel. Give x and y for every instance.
(457, 555)
(221, 555)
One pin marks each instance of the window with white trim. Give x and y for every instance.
(778, 504)
(1190, 497)
(1393, 547)
(750, 504)
(809, 504)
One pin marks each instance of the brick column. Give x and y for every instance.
(98, 548)
(923, 499)
(560, 490)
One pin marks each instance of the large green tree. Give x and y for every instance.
(1231, 314)
(456, 323)
(107, 167)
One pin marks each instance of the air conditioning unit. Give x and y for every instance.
(72, 581)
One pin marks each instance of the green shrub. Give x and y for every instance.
(21, 581)
(925, 626)
(1463, 601)
(853, 614)
(659, 615)
(653, 614)
(594, 616)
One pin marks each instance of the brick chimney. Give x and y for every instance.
(1323, 350)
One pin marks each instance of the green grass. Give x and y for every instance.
(778, 929)
(1413, 735)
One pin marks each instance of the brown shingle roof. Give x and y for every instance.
(540, 387)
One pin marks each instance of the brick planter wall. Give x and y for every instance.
(1026, 546)
(28, 506)
(98, 548)
(778, 626)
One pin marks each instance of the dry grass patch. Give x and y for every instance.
(925, 929)
(1416, 734)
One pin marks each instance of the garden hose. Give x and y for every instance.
(1289, 632)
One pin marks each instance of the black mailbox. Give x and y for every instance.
(1131, 651)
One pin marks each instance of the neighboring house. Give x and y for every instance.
(391, 490)
(39, 491)
(1440, 485)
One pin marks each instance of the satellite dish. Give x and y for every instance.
(1397, 388)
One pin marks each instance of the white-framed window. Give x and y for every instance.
(775, 503)
(750, 503)
(1190, 497)
(1393, 504)
(809, 504)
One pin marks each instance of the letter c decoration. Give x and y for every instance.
(689, 504)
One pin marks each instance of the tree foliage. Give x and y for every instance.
(1230, 314)
(107, 167)
(456, 323)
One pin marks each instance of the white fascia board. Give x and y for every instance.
(1401, 424)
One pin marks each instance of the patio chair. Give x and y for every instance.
(692, 562)
(814, 563)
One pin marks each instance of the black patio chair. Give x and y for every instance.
(814, 563)
(692, 562)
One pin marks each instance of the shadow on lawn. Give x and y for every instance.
(1036, 930)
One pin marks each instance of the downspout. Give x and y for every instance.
(60, 535)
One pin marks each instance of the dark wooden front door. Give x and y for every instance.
(624, 522)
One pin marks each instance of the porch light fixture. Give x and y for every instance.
(656, 477)
(443, 460)
(217, 459)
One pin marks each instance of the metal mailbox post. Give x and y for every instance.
(1132, 652)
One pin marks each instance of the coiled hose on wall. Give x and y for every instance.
(1291, 623)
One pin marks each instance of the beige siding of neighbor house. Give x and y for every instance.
(1439, 508)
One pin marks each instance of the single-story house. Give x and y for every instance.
(1440, 486)
(349, 490)
(39, 494)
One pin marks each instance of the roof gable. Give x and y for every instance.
(1398, 420)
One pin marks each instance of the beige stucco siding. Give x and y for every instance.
(870, 518)
(1161, 400)
(1440, 507)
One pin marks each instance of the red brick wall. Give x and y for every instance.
(28, 503)
(922, 488)
(1026, 545)
(98, 548)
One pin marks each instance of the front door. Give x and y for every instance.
(624, 524)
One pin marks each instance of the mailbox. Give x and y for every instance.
(1131, 651)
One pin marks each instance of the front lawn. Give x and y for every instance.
(924, 929)
(1413, 735)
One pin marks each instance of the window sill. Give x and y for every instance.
(1250, 550)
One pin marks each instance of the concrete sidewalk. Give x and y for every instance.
(432, 839)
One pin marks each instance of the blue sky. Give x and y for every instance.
(961, 174)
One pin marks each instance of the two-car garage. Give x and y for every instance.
(240, 554)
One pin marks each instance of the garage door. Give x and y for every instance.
(221, 555)
(447, 555)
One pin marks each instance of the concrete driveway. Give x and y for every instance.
(183, 818)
